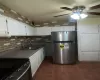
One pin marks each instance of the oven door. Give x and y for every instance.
(23, 73)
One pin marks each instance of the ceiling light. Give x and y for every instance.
(78, 16)
(83, 15)
(75, 16)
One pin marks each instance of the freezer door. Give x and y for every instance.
(64, 53)
(64, 36)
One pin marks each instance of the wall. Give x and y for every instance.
(89, 39)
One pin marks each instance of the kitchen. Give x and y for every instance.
(26, 28)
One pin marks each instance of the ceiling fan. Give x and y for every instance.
(79, 11)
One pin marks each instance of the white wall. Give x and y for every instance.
(89, 39)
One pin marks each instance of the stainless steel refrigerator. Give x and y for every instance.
(64, 47)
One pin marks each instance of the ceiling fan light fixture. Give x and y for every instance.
(78, 16)
(75, 16)
(83, 15)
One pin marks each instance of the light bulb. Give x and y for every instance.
(83, 15)
(75, 16)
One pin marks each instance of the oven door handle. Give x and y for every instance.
(17, 75)
(28, 67)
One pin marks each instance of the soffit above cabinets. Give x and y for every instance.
(44, 10)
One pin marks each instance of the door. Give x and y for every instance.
(64, 52)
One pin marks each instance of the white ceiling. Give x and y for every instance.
(44, 10)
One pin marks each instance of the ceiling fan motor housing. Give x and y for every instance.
(78, 9)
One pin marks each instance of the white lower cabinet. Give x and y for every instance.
(34, 63)
(36, 59)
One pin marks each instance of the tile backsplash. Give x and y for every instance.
(10, 43)
(18, 42)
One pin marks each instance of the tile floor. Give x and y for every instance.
(80, 71)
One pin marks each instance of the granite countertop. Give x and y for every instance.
(17, 53)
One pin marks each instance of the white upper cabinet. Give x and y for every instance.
(68, 28)
(11, 27)
(30, 31)
(3, 26)
(22, 30)
(43, 31)
(57, 28)
(15, 27)
(64, 28)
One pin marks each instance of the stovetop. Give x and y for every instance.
(8, 66)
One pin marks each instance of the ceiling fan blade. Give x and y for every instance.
(66, 8)
(94, 13)
(95, 7)
(60, 15)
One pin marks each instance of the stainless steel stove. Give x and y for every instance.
(15, 69)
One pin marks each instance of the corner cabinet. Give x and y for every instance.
(3, 26)
(36, 60)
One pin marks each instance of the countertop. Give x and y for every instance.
(17, 53)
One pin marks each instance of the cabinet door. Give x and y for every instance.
(43, 31)
(30, 30)
(16, 28)
(34, 63)
(3, 26)
(35, 60)
(21, 27)
(39, 53)
(12, 27)
(57, 28)
(68, 28)
(46, 30)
